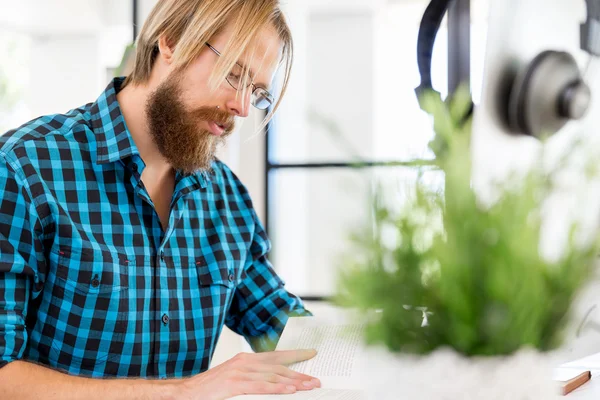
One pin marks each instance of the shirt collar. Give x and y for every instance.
(113, 139)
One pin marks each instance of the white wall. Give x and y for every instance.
(70, 47)
(63, 73)
(51, 17)
(332, 78)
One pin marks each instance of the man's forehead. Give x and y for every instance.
(262, 56)
(261, 69)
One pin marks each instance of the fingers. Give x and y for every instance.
(284, 372)
(271, 377)
(286, 357)
(265, 373)
(261, 387)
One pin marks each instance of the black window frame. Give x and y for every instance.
(459, 70)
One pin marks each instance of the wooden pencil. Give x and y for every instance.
(574, 383)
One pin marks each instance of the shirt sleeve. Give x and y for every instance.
(261, 306)
(18, 265)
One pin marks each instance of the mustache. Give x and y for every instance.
(212, 114)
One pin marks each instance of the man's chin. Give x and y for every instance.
(193, 167)
(181, 157)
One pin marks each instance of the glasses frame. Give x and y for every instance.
(268, 96)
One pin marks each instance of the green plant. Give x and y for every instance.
(477, 269)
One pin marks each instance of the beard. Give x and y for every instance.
(176, 130)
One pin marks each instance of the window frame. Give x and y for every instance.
(459, 59)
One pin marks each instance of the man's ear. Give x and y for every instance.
(166, 49)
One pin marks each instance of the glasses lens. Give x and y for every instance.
(262, 99)
(235, 77)
(238, 76)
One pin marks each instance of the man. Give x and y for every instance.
(125, 246)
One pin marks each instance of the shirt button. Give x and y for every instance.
(162, 256)
(165, 319)
(95, 282)
(231, 278)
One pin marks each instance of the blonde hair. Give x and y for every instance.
(189, 24)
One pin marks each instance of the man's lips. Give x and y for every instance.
(215, 128)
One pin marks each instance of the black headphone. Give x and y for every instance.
(542, 97)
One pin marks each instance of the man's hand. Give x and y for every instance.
(248, 373)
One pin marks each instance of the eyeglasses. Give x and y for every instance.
(260, 98)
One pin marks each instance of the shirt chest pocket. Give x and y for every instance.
(91, 272)
(217, 282)
(89, 296)
(225, 273)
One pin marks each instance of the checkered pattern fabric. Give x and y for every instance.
(91, 283)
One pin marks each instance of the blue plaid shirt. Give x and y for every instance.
(92, 285)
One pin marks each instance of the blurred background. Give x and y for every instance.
(351, 100)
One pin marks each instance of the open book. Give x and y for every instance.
(338, 342)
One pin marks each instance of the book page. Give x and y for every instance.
(338, 342)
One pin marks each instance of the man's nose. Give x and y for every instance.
(239, 105)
